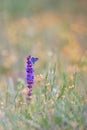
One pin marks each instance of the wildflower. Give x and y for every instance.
(39, 78)
(63, 97)
(48, 86)
(72, 87)
(30, 74)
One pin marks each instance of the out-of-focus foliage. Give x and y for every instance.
(55, 31)
(27, 7)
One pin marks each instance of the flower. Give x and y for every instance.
(30, 74)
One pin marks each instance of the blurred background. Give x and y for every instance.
(52, 30)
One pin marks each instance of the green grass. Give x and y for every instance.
(50, 30)
(20, 8)
(57, 107)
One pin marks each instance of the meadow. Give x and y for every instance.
(58, 38)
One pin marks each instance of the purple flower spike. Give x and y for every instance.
(29, 86)
(30, 73)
